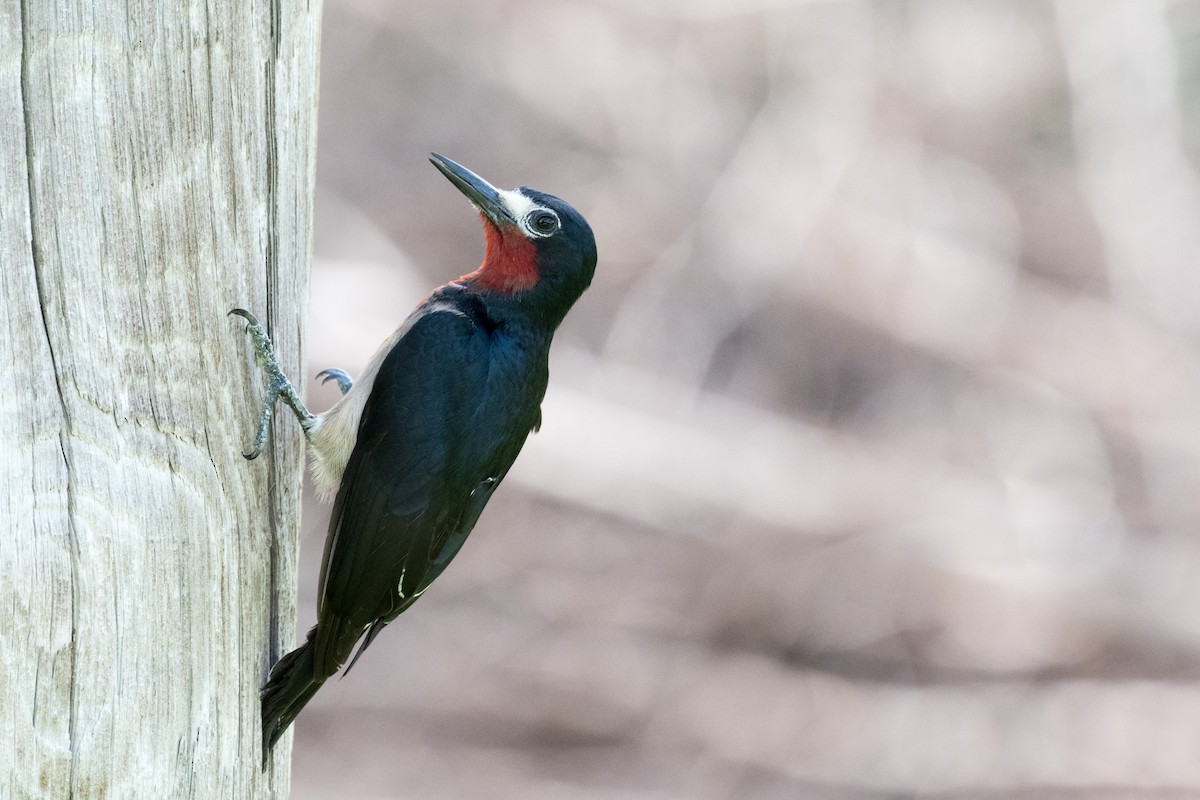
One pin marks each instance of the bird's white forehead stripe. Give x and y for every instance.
(517, 203)
(521, 207)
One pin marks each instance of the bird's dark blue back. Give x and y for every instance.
(449, 411)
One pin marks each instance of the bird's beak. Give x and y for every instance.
(482, 194)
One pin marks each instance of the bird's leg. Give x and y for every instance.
(344, 381)
(277, 384)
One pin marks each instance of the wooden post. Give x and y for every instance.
(156, 170)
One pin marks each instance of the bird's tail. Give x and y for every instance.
(292, 684)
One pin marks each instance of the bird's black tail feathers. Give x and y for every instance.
(292, 684)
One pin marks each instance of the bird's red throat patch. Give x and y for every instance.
(510, 262)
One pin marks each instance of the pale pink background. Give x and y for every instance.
(871, 461)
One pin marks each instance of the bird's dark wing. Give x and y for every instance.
(408, 479)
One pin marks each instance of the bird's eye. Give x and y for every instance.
(543, 222)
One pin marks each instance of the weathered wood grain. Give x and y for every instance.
(156, 169)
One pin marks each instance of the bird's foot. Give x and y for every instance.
(344, 381)
(277, 384)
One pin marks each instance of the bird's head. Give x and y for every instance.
(539, 248)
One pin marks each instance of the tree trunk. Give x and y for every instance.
(156, 169)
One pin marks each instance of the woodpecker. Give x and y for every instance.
(417, 445)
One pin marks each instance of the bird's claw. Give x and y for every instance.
(241, 312)
(344, 381)
(277, 384)
(264, 425)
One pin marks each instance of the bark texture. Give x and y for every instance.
(156, 169)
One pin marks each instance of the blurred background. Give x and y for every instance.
(871, 460)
